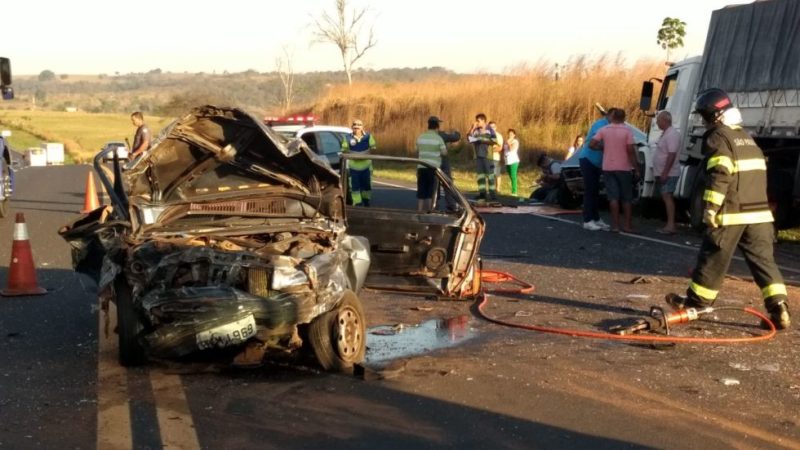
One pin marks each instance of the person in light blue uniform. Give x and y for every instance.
(591, 162)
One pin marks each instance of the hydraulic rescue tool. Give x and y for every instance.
(660, 320)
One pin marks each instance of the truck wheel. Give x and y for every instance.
(338, 337)
(129, 325)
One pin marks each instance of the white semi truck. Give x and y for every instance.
(752, 52)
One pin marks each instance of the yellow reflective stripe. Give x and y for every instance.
(704, 292)
(746, 165)
(745, 218)
(774, 289)
(720, 161)
(714, 197)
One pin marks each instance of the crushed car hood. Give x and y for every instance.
(218, 151)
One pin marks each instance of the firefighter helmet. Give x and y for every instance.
(712, 103)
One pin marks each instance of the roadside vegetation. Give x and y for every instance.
(547, 106)
(83, 134)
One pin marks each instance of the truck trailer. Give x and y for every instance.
(752, 52)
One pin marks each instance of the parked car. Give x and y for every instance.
(571, 188)
(324, 140)
(120, 147)
(228, 236)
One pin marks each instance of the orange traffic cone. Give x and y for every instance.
(21, 271)
(90, 202)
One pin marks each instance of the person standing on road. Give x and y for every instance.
(430, 149)
(142, 138)
(483, 138)
(736, 213)
(666, 167)
(619, 159)
(449, 138)
(497, 155)
(359, 172)
(591, 162)
(511, 149)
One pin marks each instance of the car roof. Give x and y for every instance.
(311, 129)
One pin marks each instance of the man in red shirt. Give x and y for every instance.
(615, 140)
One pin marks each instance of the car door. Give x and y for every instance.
(432, 253)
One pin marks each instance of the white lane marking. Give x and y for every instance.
(113, 407)
(395, 185)
(172, 409)
(658, 241)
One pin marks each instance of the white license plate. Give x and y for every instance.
(229, 334)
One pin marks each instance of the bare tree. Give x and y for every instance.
(344, 32)
(285, 68)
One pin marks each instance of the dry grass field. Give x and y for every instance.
(546, 112)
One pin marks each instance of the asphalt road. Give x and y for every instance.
(485, 387)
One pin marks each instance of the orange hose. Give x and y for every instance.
(492, 276)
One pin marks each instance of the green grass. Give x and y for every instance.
(20, 139)
(463, 175)
(792, 235)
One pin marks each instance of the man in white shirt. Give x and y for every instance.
(666, 168)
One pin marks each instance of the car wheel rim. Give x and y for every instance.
(349, 337)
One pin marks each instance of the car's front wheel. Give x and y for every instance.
(338, 337)
(129, 325)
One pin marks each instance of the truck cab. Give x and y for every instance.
(676, 96)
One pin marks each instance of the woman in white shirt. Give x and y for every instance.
(511, 150)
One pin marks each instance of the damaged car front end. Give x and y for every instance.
(226, 236)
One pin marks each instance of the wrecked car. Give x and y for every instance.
(226, 235)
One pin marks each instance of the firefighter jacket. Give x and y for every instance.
(736, 185)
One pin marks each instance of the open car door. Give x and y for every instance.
(432, 253)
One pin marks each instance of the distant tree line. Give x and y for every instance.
(166, 93)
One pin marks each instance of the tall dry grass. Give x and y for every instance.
(546, 112)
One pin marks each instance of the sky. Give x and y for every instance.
(110, 36)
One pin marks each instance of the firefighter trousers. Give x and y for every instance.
(719, 244)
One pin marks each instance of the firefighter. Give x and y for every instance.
(359, 172)
(736, 213)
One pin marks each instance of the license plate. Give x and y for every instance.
(227, 335)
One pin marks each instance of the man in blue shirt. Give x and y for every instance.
(591, 162)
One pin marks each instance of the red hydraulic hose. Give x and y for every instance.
(492, 276)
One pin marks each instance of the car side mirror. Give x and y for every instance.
(646, 98)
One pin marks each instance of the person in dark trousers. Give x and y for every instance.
(142, 138)
(736, 213)
(591, 162)
(484, 139)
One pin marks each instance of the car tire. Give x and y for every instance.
(129, 326)
(338, 337)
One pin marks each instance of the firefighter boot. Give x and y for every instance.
(678, 302)
(779, 315)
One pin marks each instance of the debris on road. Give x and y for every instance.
(729, 381)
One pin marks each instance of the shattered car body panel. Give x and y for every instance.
(222, 224)
(433, 253)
